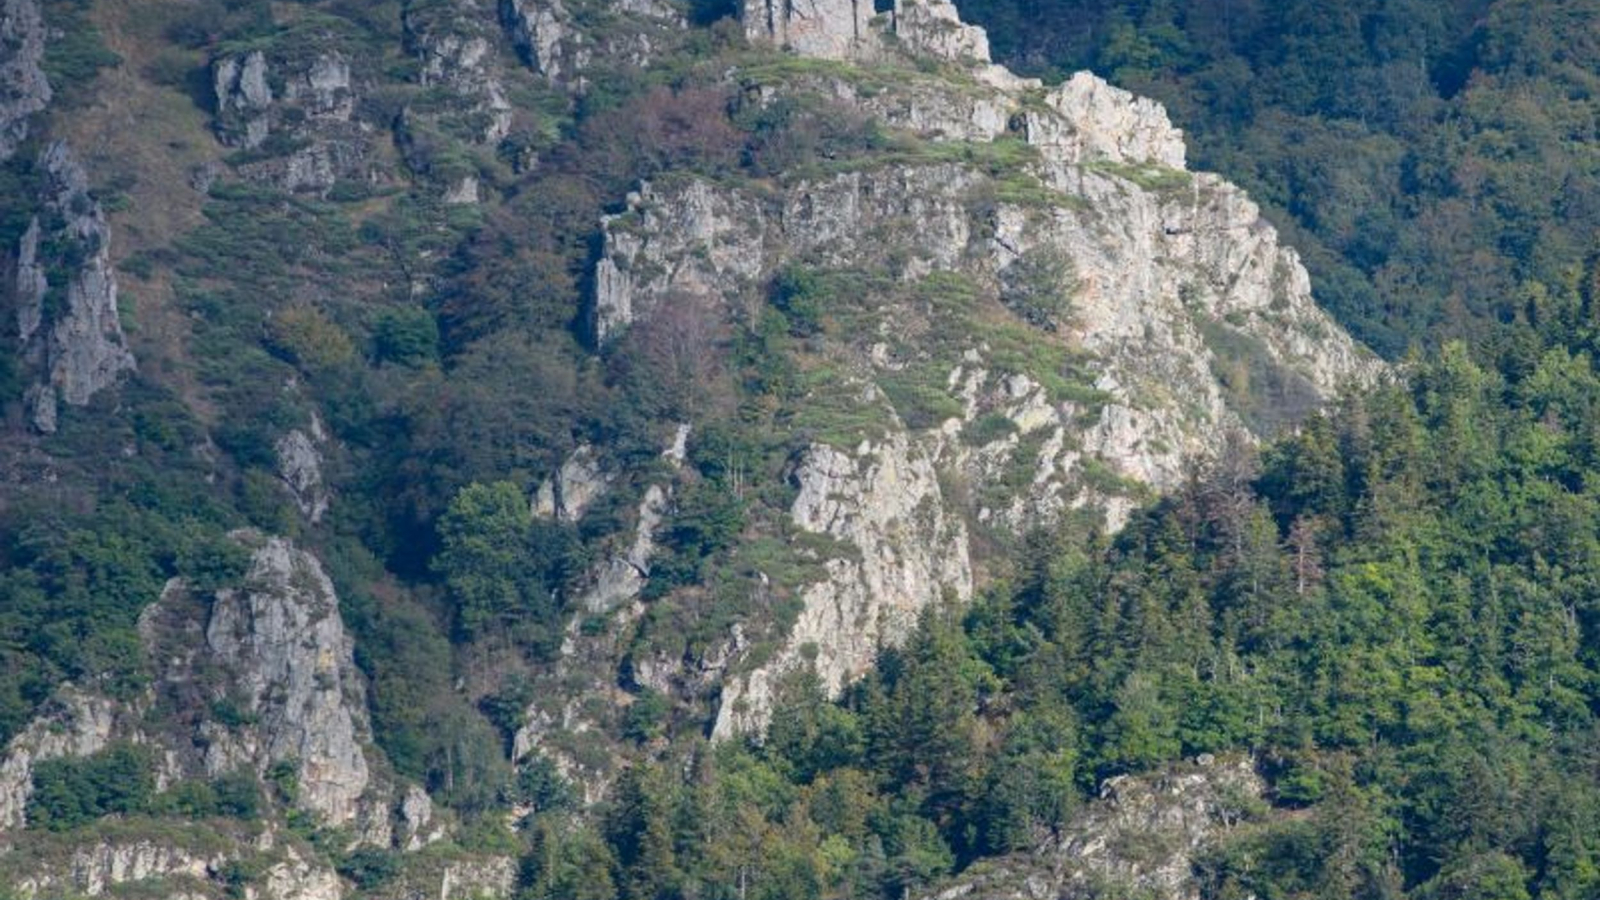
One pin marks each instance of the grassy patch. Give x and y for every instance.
(1151, 177)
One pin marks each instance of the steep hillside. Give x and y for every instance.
(430, 422)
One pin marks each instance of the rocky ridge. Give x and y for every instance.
(274, 651)
(1180, 315)
(272, 654)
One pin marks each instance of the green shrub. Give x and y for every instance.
(69, 791)
(407, 336)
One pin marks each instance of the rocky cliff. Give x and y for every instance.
(274, 653)
(68, 323)
(74, 724)
(1163, 311)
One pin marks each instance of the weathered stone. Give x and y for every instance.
(934, 28)
(454, 45)
(465, 879)
(829, 29)
(314, 115)
(1096, 121)
(96, 868)
(1162, 275)
(300, 467)
(416, 820)
(281, 641)
(79, 349)
(24, 89)
(554, 42)
(243, 99)
(540, 31)
(906, 553)
(74, 723)
(568, 494)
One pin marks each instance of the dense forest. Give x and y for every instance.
(1393, 610)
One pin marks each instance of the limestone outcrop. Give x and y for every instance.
(273, 654)
(456, 47)
(300, 467)
(75, 345)
(575, 486)
(74, 723)
(901, 552)
(184, 862)
(1168, 314)
(554, 41)
(1140, 837)
(24, 89)
(303, 135)
(829, 29)
(96, 868)
(280, 638)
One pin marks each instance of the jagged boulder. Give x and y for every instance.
(300, 466)
(575, 486)
(280, 638)
(934, 28)
(24, 89)
(457, 52)
(1166, 313)
(76, 346)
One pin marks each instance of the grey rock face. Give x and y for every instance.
(551, 37)
(174, 863)
(934, 28)
(568, 494)
(905, 552)
(454, 44)
(495, 877)
(1095, 121)
(312, 116)
(102, 866)
(75, 723)
(24, 89)
(542, 33)
(828, 29)
(243, 99)
(280, 638)
(1164, 281)
(1140, 838)
(300, 467)
(416, 820)
(76, 346)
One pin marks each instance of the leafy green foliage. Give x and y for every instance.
(497, 587)
(69, 792)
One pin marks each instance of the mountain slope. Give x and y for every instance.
(598, 371)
